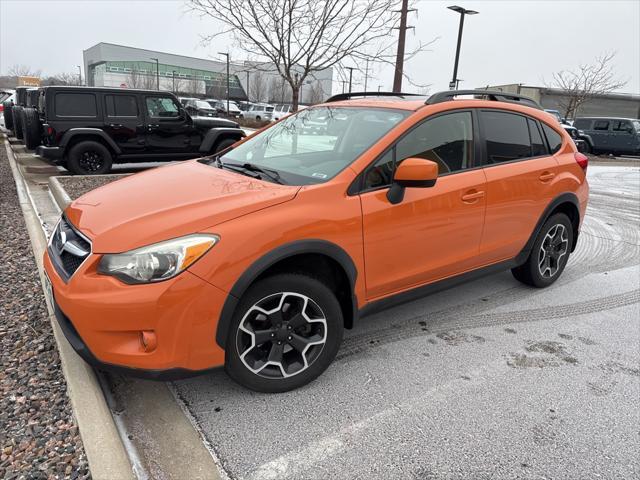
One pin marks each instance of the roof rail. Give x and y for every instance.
(346, 96)
(494, 95)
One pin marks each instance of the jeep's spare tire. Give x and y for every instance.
(17, 121)
(8, 115)
(31, 128)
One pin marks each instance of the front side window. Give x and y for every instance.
(446, 140)
(76, 105)
(163, 107)
(601, 125)
(315, 144)
(622, 126)
(506, 135)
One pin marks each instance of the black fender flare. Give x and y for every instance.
(213, 134)
(282, 252)
(73, 132)
(587, 138)
(566, 197)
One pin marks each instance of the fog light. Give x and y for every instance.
(148, 340)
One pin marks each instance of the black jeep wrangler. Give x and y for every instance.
(86, 129)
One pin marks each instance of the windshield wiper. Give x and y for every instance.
(271, 174)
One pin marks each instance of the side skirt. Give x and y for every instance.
(424, 290)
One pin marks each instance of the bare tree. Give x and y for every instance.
(587, 81)
(257, 86)
(316, 94)
(23, 71)
(148, 81)
(134, 79)
(300, 37)
(63, 79)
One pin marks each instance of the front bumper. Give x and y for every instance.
(50, 153)
(104, 320)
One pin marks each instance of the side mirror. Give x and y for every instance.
(412, 173)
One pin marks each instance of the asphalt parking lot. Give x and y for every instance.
(488, 380)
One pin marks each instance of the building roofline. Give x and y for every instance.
(154, 51)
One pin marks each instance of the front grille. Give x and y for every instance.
(68, 248)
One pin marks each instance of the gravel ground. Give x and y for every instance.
(38, 435)
(78, 186)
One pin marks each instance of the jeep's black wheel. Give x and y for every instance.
(223, 144)
(285, 332)
(30, 128)
(17, 121)
(89, 158)
(549, 254)
(8, 115)
(587, 149)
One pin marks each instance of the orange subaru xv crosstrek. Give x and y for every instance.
(259, 257)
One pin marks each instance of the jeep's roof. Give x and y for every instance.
(105, 89)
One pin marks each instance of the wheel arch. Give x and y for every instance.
(329, 260)
(216, 134)
(75, 135)
(566, 203)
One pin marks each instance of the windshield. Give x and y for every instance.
(636, 125)
(312, 146)
(202, 104)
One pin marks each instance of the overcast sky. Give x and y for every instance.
(510, 41)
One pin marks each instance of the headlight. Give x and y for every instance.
(157, 262)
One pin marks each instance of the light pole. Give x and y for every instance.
(350, 76)
(462, 12)
(173, 78)
(366, 75)
(79, 75)
(157, 73)
(227, 55)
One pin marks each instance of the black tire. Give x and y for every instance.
(17, 121)
(223, 144)
(549, 256)
(31, 128)
(89, 158)
(301, 369)
(258, 118)
(587, 149)
(8, 115)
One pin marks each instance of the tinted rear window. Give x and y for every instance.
(76, 105)
(601, 125)
(553, 138)
(507, 136)
(121, 105)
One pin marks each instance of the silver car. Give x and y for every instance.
(259, 112)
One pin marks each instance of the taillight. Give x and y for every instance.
(582, 160)
(49, 131)
(1, 107)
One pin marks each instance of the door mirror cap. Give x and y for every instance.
(416, 172)
(412, 173)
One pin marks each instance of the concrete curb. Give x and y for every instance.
(59, 194)
(105, 451)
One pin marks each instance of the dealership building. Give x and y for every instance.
(110, 65)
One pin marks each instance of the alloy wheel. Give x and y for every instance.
(91, 161)
(555, 245)
(281, 335)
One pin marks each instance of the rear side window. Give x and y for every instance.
(538, 146)
(506, 136)
(601, 125)
(622, 126)
(553, 138)
(76, 105)
(121, 105)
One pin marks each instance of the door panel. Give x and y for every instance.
(168, 129)
(432, 234)
(123, 122)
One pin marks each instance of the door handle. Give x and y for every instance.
(115, 125)
(546, 176)
(152, 127)
(472, 196)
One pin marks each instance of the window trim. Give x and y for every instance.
(524, 159)
(357, 186)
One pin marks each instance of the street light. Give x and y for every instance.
(350, 76)
(226, 55)
(173, 77)
(79, 75)
(157, 73)
(462, 12)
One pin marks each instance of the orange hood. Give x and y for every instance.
(169, 202)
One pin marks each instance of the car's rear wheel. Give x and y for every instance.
(549, 254)
(31, 128)
(89, 158)
(8, 115)
(258, 118)
(286, 331)
(17, 121)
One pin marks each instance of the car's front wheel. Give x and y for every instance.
(549, 254)
(286, 331)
